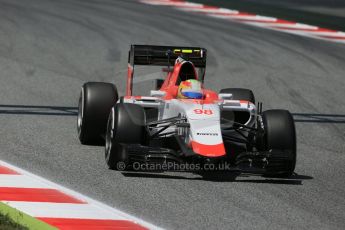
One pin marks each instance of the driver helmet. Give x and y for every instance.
(190, 89)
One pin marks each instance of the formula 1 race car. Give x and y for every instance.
(205, 128)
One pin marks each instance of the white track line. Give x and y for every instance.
(21, 181)
(58, 210)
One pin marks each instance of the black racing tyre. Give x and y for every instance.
(280, 137)
(126, 125)
(95, 102)
(240, 94)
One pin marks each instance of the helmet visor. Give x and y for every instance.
(191, 94)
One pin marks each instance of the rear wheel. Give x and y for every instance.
(95, 102)
(240, 94)
(126, 125)
(280, 137)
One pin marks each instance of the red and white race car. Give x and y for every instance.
(225, 127)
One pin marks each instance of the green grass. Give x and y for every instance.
(6, 223)
(11, 218)
(316, 19)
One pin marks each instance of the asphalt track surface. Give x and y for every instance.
(49, 48)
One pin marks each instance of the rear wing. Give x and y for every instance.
(163, 56)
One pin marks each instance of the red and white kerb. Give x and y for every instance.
(58, 206)
(252, 19)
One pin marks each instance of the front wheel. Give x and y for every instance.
(126, 126)
(280, 139)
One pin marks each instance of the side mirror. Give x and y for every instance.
(157, 93)
(225, 96)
